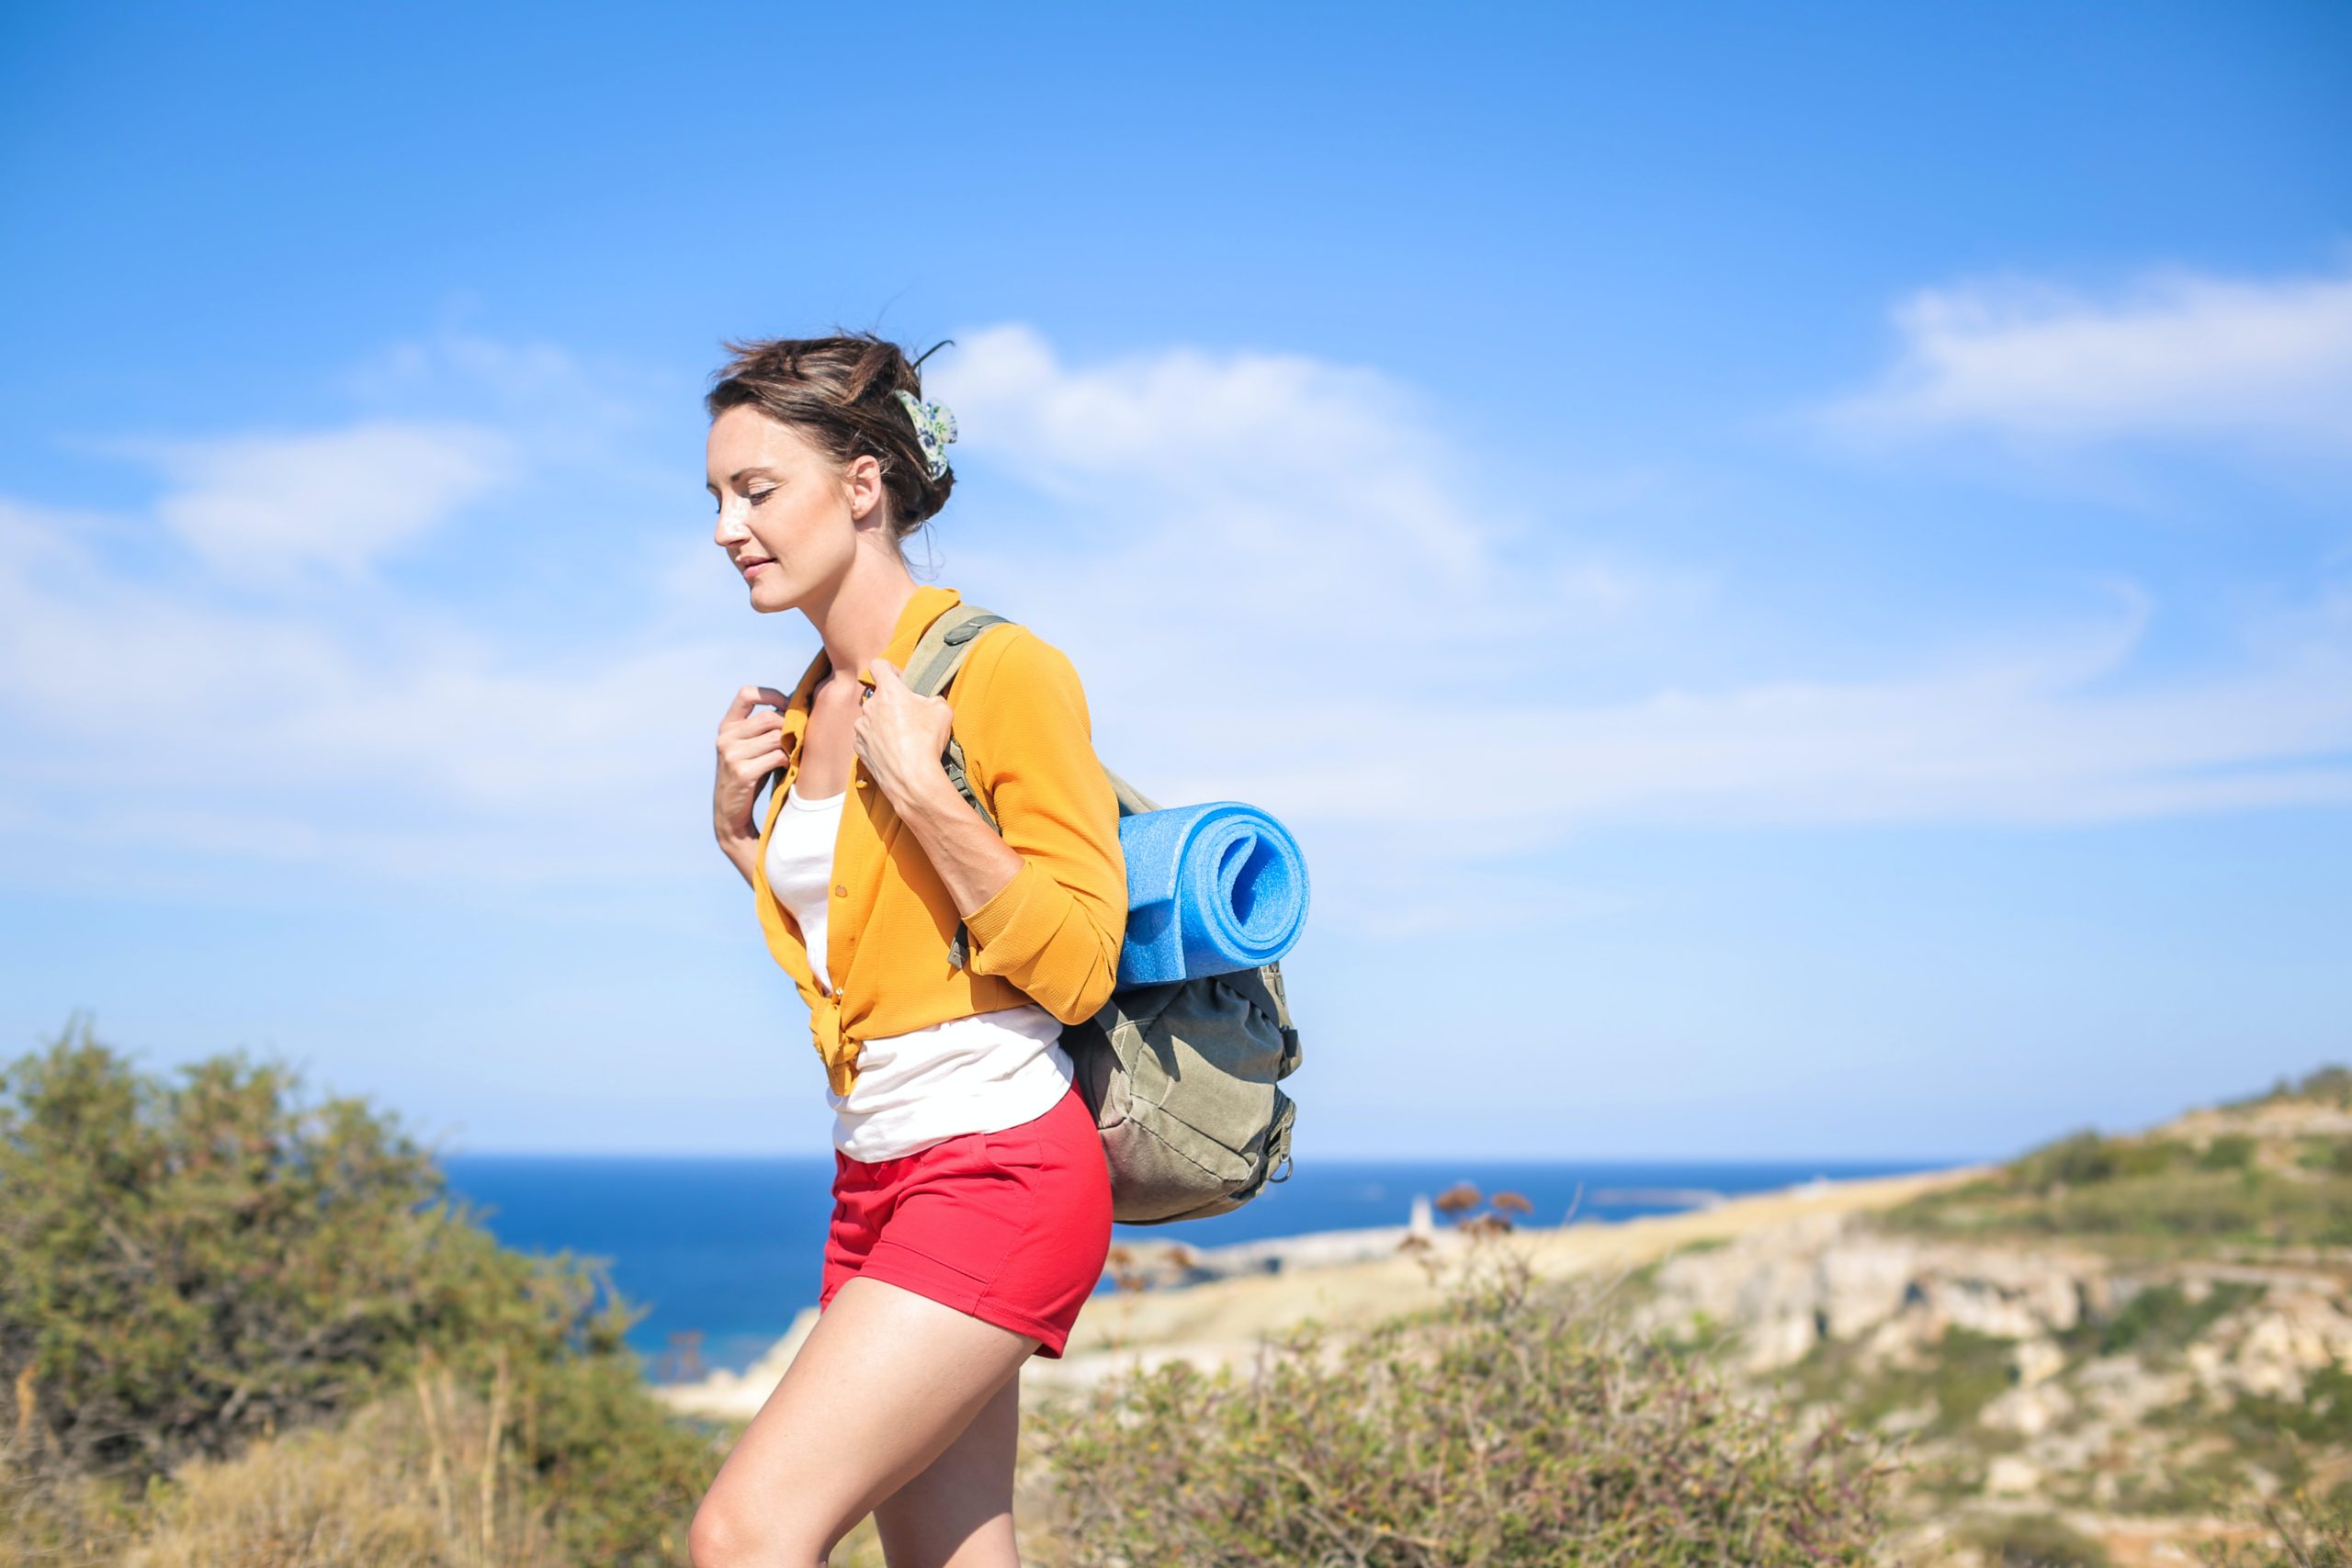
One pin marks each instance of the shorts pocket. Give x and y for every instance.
(1015, 1148)
(969, 1214)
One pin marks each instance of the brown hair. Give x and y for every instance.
(836, 391)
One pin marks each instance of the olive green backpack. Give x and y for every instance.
(1180, 1076)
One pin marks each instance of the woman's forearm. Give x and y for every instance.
(740, 850)
(972, 860)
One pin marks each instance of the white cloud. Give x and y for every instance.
(1243, 505)
(1308, 605)
(2177, 355)
(1281, 580)
(2028, 743)
(269, 509)
(493, 724)
(548, 402)
(352, 732)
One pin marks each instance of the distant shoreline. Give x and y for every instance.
(721, 1252)
(1348, 1276)
(1433, 1163)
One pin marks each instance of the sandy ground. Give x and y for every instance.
(1222, 1321)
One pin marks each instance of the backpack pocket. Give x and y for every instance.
(1180, 1076)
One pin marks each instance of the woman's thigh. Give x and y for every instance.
(958, 1512)
(884, 1383)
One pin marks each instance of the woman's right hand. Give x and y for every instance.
(750, 749)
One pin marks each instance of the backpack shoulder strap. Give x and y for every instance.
(939, 651)
(1133, 801)
(938, 654)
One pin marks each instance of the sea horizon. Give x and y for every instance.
(729, 1247)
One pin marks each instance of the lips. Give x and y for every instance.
(753, 563)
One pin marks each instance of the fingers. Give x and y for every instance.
(753, 723)
(751, 745)
(746, 698)
(887, 677)
(746, 716)
(753, 758)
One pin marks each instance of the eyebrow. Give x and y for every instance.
(737, 478)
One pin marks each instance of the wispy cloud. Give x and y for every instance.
(491, 722)
(364, 733)
(2175, 354)
(1283, 580)
(1435, 691)
(272, 508)
(1244, 505)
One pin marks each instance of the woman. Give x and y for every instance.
(972, 1198)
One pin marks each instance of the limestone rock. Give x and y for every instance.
(2029, 1412)
(1787, 1288)
(2010, 1475)
(2037, 1360)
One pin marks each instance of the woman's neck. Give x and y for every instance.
(856, 621)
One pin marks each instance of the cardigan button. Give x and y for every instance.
(840, 891)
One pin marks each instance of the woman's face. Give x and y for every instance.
(788, 517)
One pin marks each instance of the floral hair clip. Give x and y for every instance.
(934, 428)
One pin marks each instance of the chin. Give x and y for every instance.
(780, 601)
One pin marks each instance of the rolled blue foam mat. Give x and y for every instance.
(1211, 889)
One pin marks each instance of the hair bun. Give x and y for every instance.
(852, 395)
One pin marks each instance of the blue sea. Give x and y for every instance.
(730, 1249)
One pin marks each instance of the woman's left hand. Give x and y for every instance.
(900, 736)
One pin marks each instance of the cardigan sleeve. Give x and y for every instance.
(1056, 928)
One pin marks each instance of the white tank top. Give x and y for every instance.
(978, 1074)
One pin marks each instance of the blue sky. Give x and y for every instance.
(1791, 568)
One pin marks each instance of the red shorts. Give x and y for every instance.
(1012, 1227)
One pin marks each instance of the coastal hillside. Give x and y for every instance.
(241, 1325)
(2114, 1349)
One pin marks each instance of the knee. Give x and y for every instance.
(714, 1539)
(723, 1537)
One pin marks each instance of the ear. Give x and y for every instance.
(863, 479)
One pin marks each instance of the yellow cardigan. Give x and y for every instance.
(1051, 935)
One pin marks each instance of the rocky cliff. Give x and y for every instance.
(2129, 1342)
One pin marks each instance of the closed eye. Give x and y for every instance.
(718, 502)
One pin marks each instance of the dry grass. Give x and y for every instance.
(427, 1480)
(1512, 1425)
(51, 1519)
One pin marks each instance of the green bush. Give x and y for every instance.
(2035, 1540)
(1958, 1375)
(2071, 1161)
(2176, 1210)
(2082, 1159)
(2161, 1319)
(2231, 1151)
(2250, 1207)
(188, 1265)
(2303, 1534)
(2331, 1084)
(1510, 1429)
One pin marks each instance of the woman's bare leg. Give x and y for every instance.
(958, 1512)
(886, 1380)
